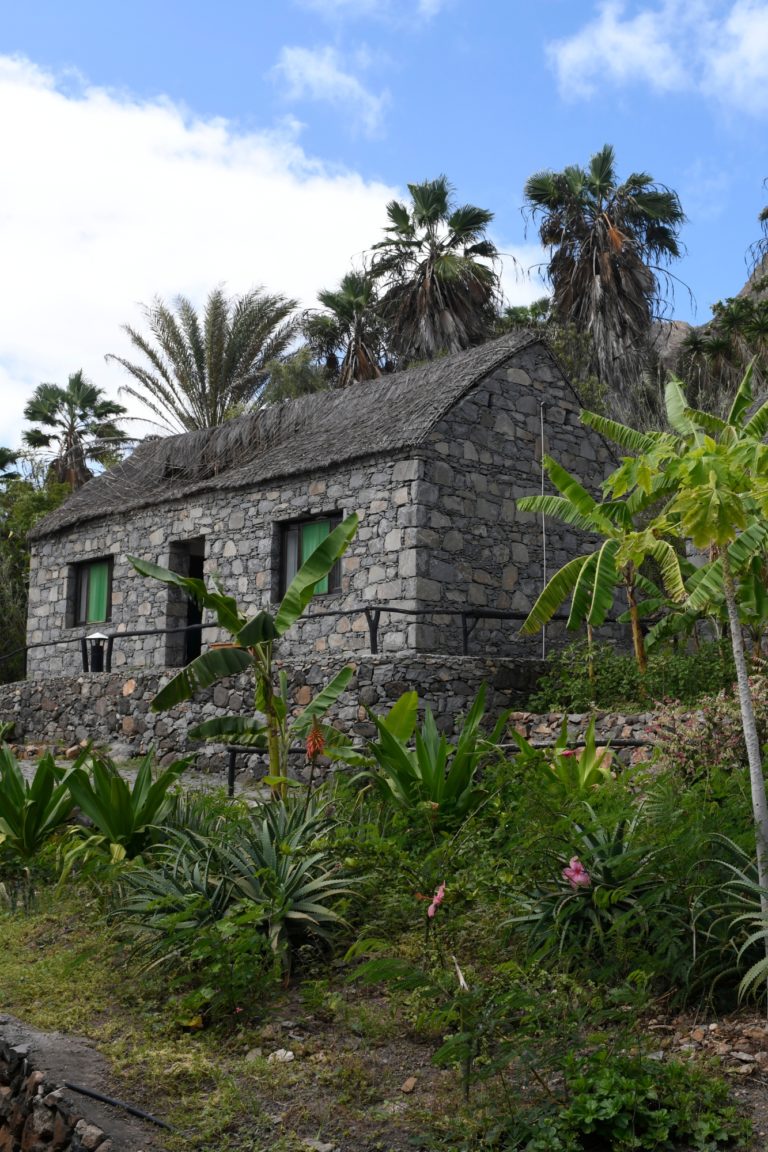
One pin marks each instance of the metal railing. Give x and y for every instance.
(469, 617)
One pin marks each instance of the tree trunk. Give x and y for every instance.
(757, 781)
(638, 641)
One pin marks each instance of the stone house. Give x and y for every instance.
(432, 459)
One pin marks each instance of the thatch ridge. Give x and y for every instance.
(309, 434)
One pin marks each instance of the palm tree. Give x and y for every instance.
(606, 241)
(348, 335)
(437, 269)
(77, 423)
(199, 374)
(7, 458)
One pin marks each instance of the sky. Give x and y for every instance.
(158, 147)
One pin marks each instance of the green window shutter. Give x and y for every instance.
(312, 536)
(98, 592)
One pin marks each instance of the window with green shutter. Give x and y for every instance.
(299, 541)
(93, 592)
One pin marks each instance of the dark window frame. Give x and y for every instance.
(81, 572)
(291, 529)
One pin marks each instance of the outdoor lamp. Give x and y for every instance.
(97, 641)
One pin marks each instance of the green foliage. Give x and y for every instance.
(624, 1102)
(127, 817)
(434, 779)
(22, 503)
(268, 875)
(30, 812)
(581, 677)
(565, 773)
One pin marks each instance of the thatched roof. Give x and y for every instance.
(386, 416)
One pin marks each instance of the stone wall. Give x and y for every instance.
(632, 737)
(474, 547)
(241, 534)
(114, 708)
(36, 1116)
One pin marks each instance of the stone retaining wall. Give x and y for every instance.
(35, 1115)
(114, 708)
(633, 737)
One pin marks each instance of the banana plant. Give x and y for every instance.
(718, 484)
(253, 650)
(591, 580)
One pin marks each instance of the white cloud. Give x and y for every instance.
(617, 47)
(738, 65)
(718, 48)
(522, 279)
(108, 201)
(317, 74)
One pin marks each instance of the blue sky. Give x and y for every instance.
(165, 147)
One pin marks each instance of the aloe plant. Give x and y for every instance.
(269, 864)
(253, 650)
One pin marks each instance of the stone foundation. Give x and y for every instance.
(113, 709)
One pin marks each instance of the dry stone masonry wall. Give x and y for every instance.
(475, 546)
(36, 1116)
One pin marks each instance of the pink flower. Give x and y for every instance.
(569, 752)
(576, 874)
(437, 900)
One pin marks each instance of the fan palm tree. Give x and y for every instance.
(437, 270)
(7, 458)
(606, 241)
(200, 372)
(348, 335)
(77, 424)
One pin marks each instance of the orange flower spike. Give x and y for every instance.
(315, 741)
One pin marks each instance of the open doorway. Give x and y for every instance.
(187, 558)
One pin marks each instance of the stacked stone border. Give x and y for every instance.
(113, 709)
(35, 1115)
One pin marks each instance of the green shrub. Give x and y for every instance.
(625, 1102)
(578, 679)
(268, 876)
